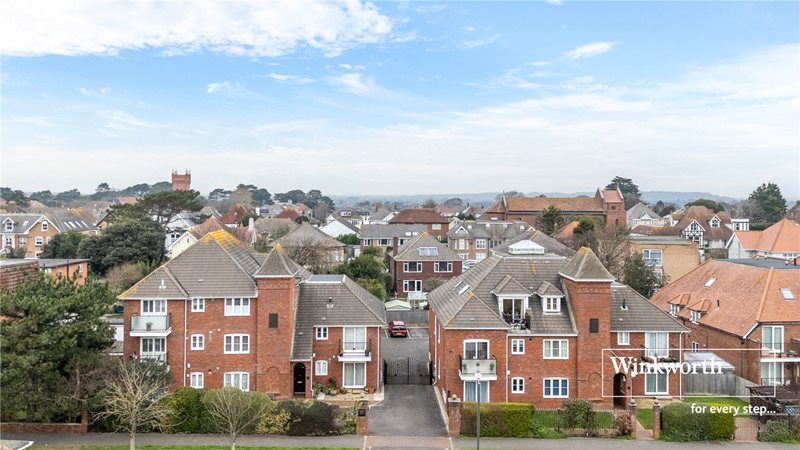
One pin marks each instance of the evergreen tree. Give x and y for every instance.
(770, 205)
(550, 220)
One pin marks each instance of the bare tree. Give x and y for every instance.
(612, 248)
(233, 411)
(311, 254)
(87, 377)
(133, 396)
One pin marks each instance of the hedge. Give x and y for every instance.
(190, 413)
(679, 423)
(498, 419)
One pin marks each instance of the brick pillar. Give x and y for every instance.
(84, 416)
(362, 426)
(632, 413)
(454, 416)
(656, 419)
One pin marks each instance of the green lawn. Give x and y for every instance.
(717, 401)
(645, 417)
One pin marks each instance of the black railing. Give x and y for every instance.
(355, 347)
(663, 355)
(517, 321)
(789, 349)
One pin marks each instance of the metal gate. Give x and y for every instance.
(406, 371)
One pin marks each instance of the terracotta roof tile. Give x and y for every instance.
(418, 215)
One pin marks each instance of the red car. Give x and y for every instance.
(398, 328)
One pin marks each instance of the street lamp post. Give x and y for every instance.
(478, 381)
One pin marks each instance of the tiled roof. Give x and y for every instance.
(22, 222)
(612, 195)
(585, 266)
(308, 235)
(531, 234)
(352, 305)
(640, 210)
(418, 215)
(272, 225)
(639, 314)
(389, 231)
(547, 289)
(278, 264)
(508, 285)
(567, 231)
(236, 214)
(288, 213)
(410, 251)
(781, 237)
(537, 204)
(218, 265)
(747, 295)
(487, 229)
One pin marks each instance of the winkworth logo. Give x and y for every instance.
(633, 366)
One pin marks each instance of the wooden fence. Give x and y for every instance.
(415, 316)
(717, 384)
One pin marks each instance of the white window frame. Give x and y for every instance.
(623, 338)
(321, 367)
(656, 392)
(417, 267)
(674, 309)
(773, 344)
(9, 225)
(321, 333)
(237, 380)
(243, 309)
(485, 393)
(198, 342)
(562, 383)
(198, 305)
(694, 316)
(518, 346)
(651, 344)
(384, 242)
(518, 385)
(651, 260)
(695, 346)
(45, 226)
(448, 266)
(477, 349)
(772, 368)
(239, 344)
(196, 380)
(551, 305)
(563, 349)
(436, 226)
(480, 244)
(356, 384)
(38, 241)
(355, 339)
(417, 285)
(153, 310)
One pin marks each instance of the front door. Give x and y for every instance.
(620, 390)
(300, 379)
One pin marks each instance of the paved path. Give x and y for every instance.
(407, 410)
(105, 439)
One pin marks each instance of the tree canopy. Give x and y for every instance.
(769, 205)
(629, 189)
(125, 241)
(63, 245)
(550, 220)
(639, 276)
(710, 204)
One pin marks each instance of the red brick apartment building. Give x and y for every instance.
(436, 223)
(420, 259)
(606, 203)
(473, 239)
(745, 312)
(220, 314)
(535, 325)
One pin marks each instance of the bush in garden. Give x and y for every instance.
(274, 421)
(310, 418)
(579, 414)
(498, 419)
(623, 423)
(776, 431)
(189, 412)
(679, 424)
(721, 427)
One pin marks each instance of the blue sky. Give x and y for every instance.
(402, 97)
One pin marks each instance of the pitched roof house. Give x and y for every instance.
(235, 215)
(421, 258)
(745, 314)
(641, 214)
(437, 225)
(339, 227)
(781, 241)
(253, 321)
(388, 237)
(26, 234)
(270, 227)
(535, 326)
(606, 203)
(473, 239)
(187, 238)
(696, 223)
(307, 235)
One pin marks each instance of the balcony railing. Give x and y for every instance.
(151, 325)
(517, 322)
(789, 349)
(669, 354)
(155, 356)
(470, 367)
(348, 347)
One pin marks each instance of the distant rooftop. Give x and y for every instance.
(766, 263)
(57, 262)
(325, 279)
(16, 262)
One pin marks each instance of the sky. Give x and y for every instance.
(401, 97)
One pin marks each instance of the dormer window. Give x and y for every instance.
(551, 305)
(513, 308)
(695, 316)
(8, 225)
(45, 225)
(674, 309)
(714, 222)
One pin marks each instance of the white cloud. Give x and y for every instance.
(99, 93)
(251, 28)
(469, 29)
(474, 43)
(589, 50)
(430, 9)
(221, 86)
(118, 119)
(292, 78)
(358, 84)
(555, 2)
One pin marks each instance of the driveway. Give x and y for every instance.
(415, 346)
(407, 410)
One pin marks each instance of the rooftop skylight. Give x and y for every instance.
(787, 294)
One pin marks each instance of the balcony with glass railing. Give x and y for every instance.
(781, 351)
(470, 367)
(159, 326)
(160, 357)
(355, 350)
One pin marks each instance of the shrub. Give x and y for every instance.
(498, 419)
(623, 423)
(347, 421)
(678, 423)
(579, 414)
(310, 418)
(189, 413)
(776, 431)
(274, 421)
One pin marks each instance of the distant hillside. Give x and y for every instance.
(678, 198)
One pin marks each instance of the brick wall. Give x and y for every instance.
(24, 427)
(328, 350)
(428, 272)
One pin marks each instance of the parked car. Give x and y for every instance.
(398, 328)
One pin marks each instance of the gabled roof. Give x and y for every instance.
(244, 234)
(546, 289)
(339, 223)
(638, 313)
(288, 213)
(747, 295)
(392, 230)
(410, 251)
(782, 237)
(236, 214)
(640, 210)
(308, 235)
(22, 222)
(487, 229)
(509, 286)
(538, 204)
(278, 265)
(380, 214)
(418, 215)
(218, 265)
(585, 266)
(567, 231)
(272, 225)
(351, 305)
(531, 234)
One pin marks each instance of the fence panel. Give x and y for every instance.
(717, 384)
(415, 316)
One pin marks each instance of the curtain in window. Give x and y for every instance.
(471, 391)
